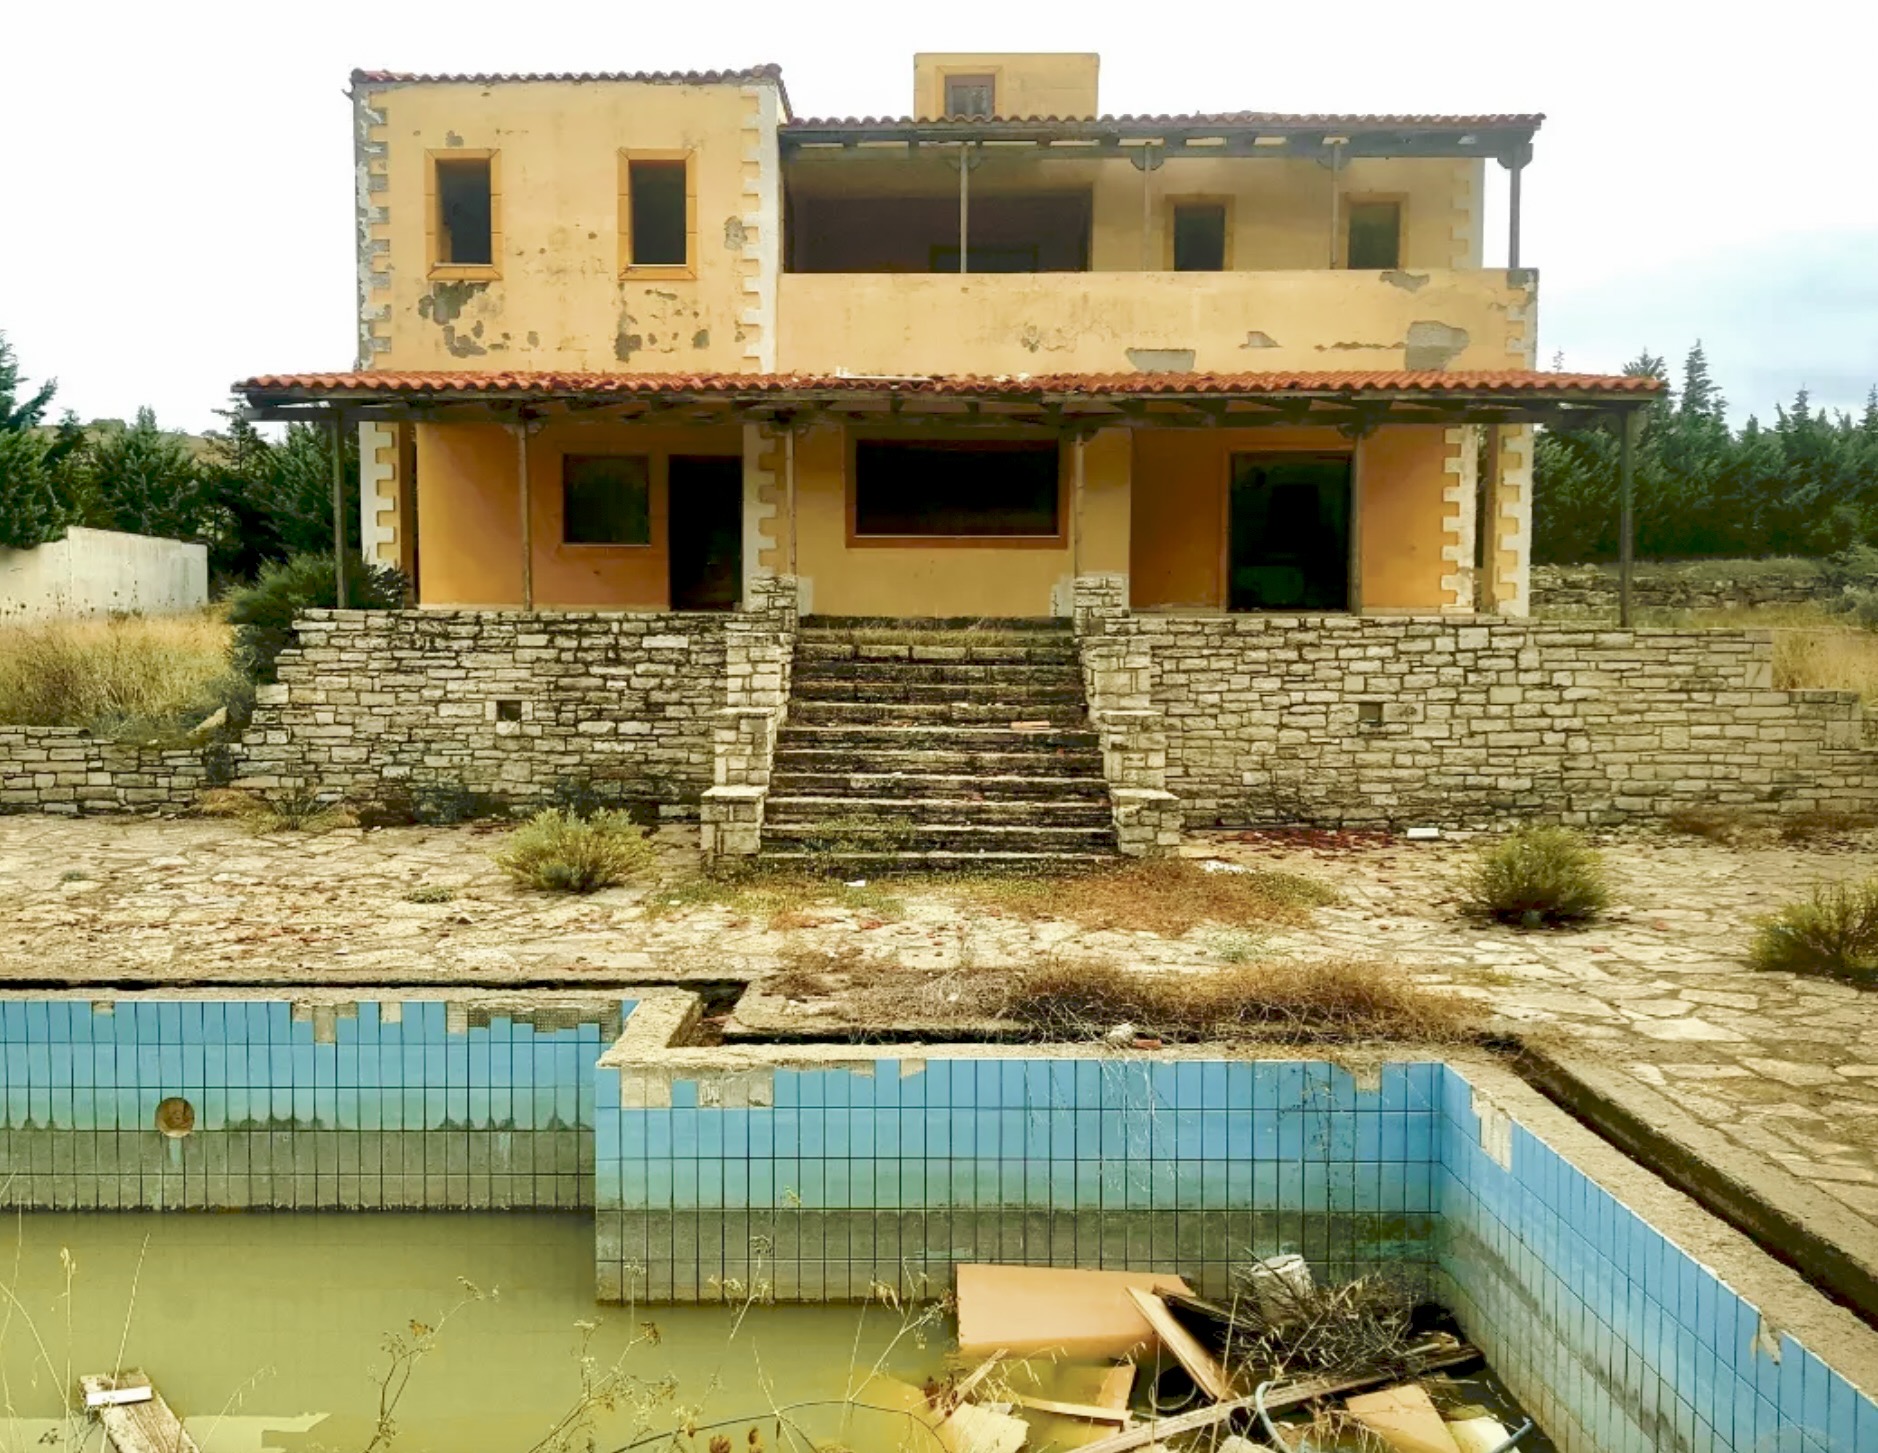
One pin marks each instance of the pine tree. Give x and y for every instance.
(33, 497)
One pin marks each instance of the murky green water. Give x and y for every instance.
(267, 1332)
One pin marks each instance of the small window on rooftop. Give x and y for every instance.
(606, 499)
(465, 211)
(1375, 241)
(1200, 237)
(657, 208)
(971, 95)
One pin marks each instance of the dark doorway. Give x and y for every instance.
(706, 493)
(1290, 533)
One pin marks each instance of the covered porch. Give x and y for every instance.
(1370, 493)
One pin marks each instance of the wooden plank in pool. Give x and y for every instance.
(134, 1416)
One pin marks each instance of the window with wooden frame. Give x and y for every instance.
(1373, 234)
(464, 213)
(980, 491)
(658, 214)
(1199, 229)
(971, 94)
(606, 499)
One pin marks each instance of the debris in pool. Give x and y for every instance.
(1038, 1309)
(1403, 1419)
(1124, 1033)
(1478, 1434)
(1200, 1364)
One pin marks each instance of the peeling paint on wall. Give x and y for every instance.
(460, 346)
(1412, 282)
(735, 234)
(444, 303)
(1432, 345)
(1161, 360)
(701, 339)
(1256, 339)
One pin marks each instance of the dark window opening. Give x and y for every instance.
(1009, 232)
(1200, 237)
(994, 488)
(656, 191)
(606, 499)
(971, 96)
(508, 708)
(1375, 236)
(465, 211)
(1290, 532)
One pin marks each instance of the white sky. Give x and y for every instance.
(176, 189)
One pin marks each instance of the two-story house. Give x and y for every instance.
(632, 341)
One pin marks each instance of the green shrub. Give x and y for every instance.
(1833, 934)
(560, 853)
(1537, 876)
(263, 613)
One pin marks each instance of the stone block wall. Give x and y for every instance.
(64, 770)
(512, 702)
(1390, 721)
(1591, 590)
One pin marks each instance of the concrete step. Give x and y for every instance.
(863, 864)
(806, 756)
(997, 787)
(783, 809)
(1013, 653)
(937, 673)
(936, 738)
(937, 625)
(858, 835)
(921, 693)
(937, 713)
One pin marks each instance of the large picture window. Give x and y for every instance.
(606, 499)
(969, 487)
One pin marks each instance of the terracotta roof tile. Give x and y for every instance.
(1503, 383)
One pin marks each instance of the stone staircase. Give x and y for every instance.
(922, 745)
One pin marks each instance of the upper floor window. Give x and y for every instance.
(658, 212)
(465, 230)
(972, 95)
(606, 499)
(1375, 236)
(1199, 237)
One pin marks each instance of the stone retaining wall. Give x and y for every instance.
(1354, 720)
(1591, 590)
(66, 770)
(372, 703)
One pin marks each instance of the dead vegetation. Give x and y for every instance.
(291, 809)
(1166, 896)
(1076, 1000)
(782, 901)
(131, 676)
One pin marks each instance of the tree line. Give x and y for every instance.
(250, 499)
(1807, 484)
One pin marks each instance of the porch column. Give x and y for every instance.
(524, 495)
(338, 441)
(1626, 512)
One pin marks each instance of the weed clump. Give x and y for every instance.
(559, 853)
(1833, 933)
(1539, 876)
(292, 809)
(127, 677)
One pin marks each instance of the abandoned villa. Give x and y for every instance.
(1010, 481)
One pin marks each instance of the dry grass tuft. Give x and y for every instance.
(128, 676)
(1827, 658)
(1331, 1000)
(290, 810)
(783, 900)
(1164, 896)
(556, 852)
(1712, 824)
(1832, 934)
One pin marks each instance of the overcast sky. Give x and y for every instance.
(176, 185)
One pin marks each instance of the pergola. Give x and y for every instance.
(1072, 405)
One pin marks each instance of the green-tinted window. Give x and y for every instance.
(1200, 237)
(465, 212)
(659, 213)
(1375, 235)
(606, 499)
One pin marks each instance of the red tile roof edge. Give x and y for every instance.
(1503, 381)
(1198, 118)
